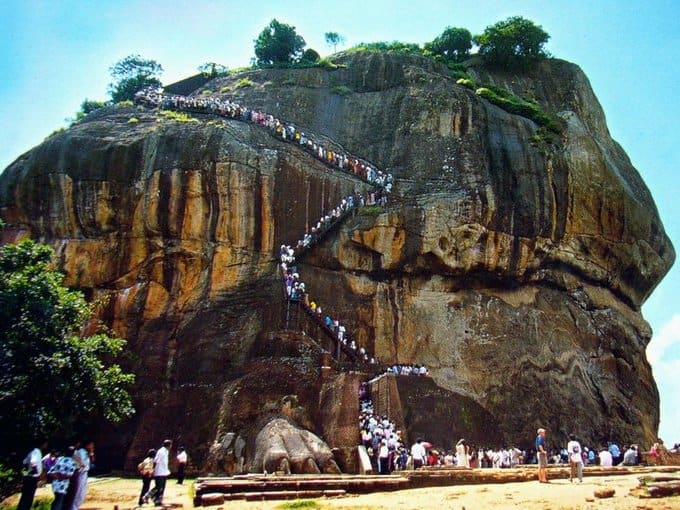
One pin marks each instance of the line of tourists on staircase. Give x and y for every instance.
(382, 181)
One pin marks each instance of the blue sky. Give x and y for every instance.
(54, 53)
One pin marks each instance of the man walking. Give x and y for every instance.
(575, 459)
(161, 471)
(542, 454)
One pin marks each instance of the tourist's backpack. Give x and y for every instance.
(145, 467)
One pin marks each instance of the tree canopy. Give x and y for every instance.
(333, 39)
(132, 74)
(454, 44)
(514, 39)
(53, 380)
(213, 69)
(278, 43)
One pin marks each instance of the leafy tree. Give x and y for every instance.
(278, 43)
(516, 39)
(333, 39)
(87, 107)
(454, 44)
(213, 69)
(310, 56)
(132, 74)
(54, 381)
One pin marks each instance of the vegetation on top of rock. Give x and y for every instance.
(341, 90)
(55, 381)
(278, 43)
(132, 74)
(395, 46)
(333, 39)
(515, 40)
(310, 56)
(176, 116)
(527, 108)
(213, 69)
(454, 44)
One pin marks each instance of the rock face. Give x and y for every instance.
(513, 268)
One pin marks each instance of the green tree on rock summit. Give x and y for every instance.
(132, 74)
(514, 40)
(278, 43)
(454, 44)
(333, 39)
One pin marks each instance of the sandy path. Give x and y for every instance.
(104, 494)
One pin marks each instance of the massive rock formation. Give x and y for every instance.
(512, 267)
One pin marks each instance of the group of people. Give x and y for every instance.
(66, 470)
(156, 466)
(383, 182)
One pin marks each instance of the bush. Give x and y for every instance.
(396, 46)
(206, 92)
(244, 82)
(133, 120)
(467, 82)
(176, 116)
(371, 210)
(126, 102)
(341, 90)
(503, 98)
(225, 89)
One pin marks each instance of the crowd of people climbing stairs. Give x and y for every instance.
(286, 131)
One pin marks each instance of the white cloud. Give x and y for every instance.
(667, 336)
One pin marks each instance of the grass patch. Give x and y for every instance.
(341, 90)
(513, 104)
(225, 89)
(176, 116)
(244, 82)
(299, 503)
(127, 102)
(133, 120)
(206, 92)
(268, 83)
(467, 82)
(326, 63)
(371, 210)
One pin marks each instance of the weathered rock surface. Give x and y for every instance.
(512, 268)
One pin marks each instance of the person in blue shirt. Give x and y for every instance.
(616, 453)
(542, 454)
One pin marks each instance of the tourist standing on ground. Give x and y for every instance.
(61, 475)
(575, 459)
(145, 468)
(542, 454)
(82, 458)
(161, 471)
(462, 454)
(182, 459)
(418, 453)
(33, 468)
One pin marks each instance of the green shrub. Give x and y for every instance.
(244, 82)
(326, 63)
(133, 120)
(396, 46)
(225, 89)
(206, 92)
(467, 82)
(127, 102)
(341, 90)
(505, 99)
(176, 116)
(371, 210)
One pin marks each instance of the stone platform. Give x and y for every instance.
(216, 490)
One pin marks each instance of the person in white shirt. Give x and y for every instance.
(418, 453)
(32, 471)
(161, 471)
(462, 457)
(181, 464)
(606, 459)
(82, 459)
(575, 458)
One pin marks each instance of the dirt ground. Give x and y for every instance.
(105, 493)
